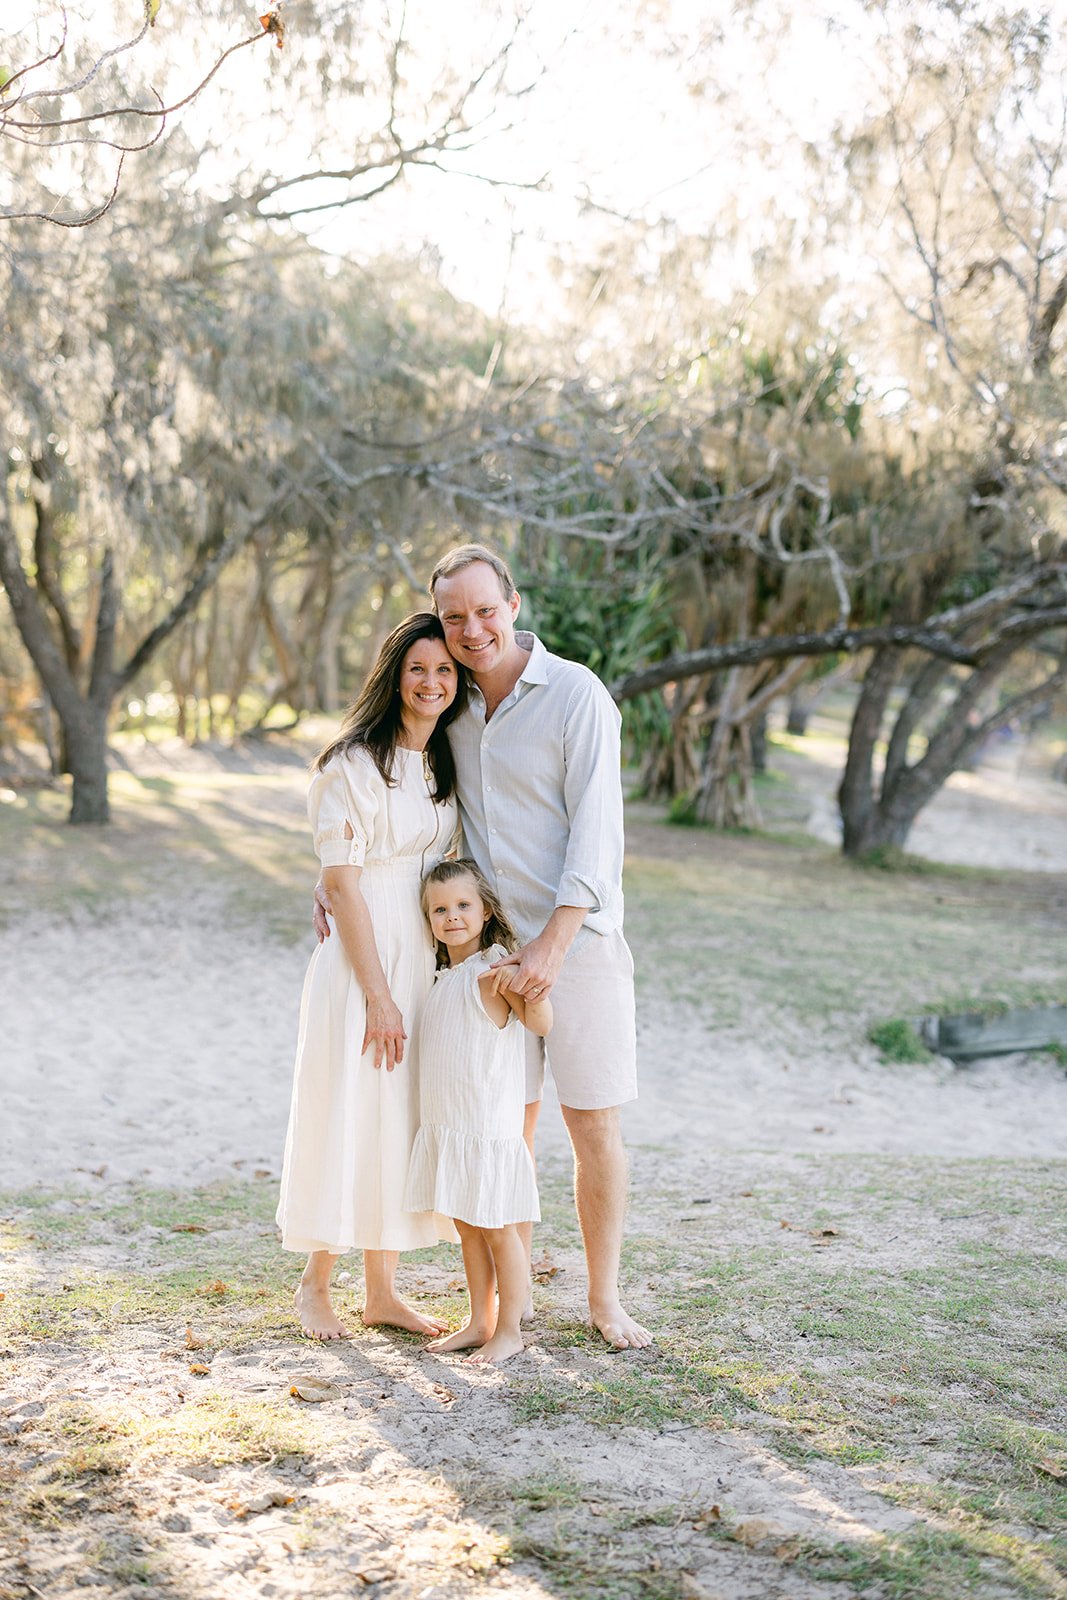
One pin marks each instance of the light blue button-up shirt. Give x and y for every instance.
(540, 793)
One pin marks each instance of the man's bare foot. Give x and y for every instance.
(500, 1348)
(463, 1339)
(620, 1330)
(396, 1313)
(318, 1319)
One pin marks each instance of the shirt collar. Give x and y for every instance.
(536, 668)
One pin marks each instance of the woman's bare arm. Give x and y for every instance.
(385, 1024)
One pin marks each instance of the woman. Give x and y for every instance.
(383, 812)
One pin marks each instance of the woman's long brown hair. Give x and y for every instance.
(375, 718)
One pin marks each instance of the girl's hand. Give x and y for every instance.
(385, 1031)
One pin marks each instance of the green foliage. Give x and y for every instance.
(682, 811)
(608, 610)
(898, 1041)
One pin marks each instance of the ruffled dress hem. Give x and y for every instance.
(438, 1229)
(487, 1183)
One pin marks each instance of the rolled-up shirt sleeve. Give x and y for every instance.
(592, 793)
(341, 799)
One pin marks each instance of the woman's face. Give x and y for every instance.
(429, 679)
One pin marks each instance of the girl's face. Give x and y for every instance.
(427, 686)
(457, 915)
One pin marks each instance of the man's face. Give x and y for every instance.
(479, 623)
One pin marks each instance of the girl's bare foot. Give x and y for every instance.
(464, 1338)
(318, 1319)
(396, 1313)
(501, 1347)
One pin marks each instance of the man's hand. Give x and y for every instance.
(323, 905)
(385, 1031)
(531, 971)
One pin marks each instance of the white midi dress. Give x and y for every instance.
(470, 1160)
(352, 1125)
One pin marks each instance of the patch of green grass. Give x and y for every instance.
(930, 1563)
(580, 1565)
(898, 1041)
(547, 1491)
(97, 1440)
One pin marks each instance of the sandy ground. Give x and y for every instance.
(168, 1060)
(160, 1055)
(184, 1092)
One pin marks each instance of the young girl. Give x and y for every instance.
(469, 1160)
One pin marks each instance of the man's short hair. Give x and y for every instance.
(465, 555)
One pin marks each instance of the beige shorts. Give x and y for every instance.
(592, 1049)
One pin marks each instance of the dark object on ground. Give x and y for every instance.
(971, 1036)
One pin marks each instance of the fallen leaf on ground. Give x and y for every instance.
(261, 1172)
(198, 1369)
(543, 1271)
(445, 1396)
(826, 1233)
(218, 1287)
(1052, 1469)
(706, 1518)
(313, 1390)
(758, 1530)
(785, 1224)
(191, 1341)
(261, 1502)
(187, 1227)
(374, 1574)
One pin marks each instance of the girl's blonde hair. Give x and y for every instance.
(497, 929)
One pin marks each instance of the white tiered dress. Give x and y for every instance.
(470, 1160)
(351, 1125)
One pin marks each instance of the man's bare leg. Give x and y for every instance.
(529, 1128)
(383, 1307)
(318, 1319)
(600, 1187)
(480, 1270)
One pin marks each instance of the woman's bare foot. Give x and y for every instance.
(501, 1347)
(528, 1310)
(318, 1319)
(471, 1333)
(396, 1313)
(618, 1329)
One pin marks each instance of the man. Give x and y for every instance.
(540, 797)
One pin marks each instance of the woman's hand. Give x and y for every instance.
(385, 1031)
(322, 905)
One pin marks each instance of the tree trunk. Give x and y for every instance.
(860, 823)
(727, 798)
(876, 824)
(86, 741)
(800, 709)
